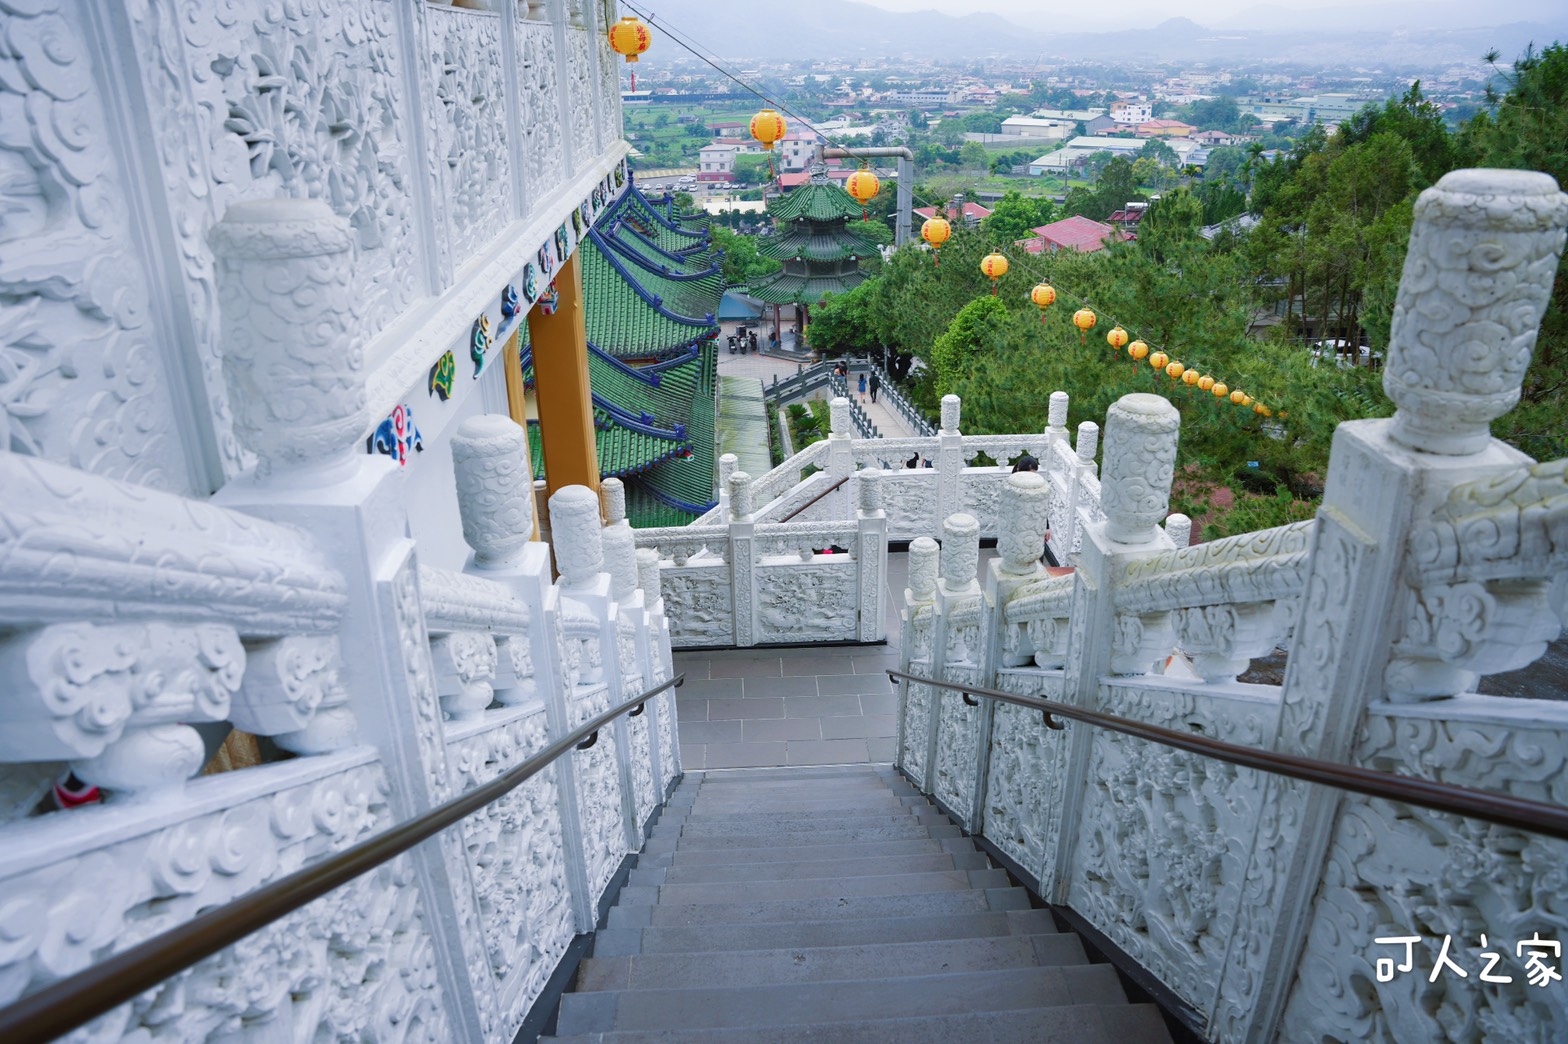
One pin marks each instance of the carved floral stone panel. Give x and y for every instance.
(473, 154)
(698, 606)
(1163, 836)
(539, 108)
(800, 603)
(356, 964)
(1398, 871)
(82, 378)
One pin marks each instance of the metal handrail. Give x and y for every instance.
(68, 1003)
(816, 498)
(1536, 817)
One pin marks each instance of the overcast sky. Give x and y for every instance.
(1253, 12)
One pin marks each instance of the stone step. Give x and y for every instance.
(786, 839)
(814, 888)
(824, 964)
(774, 911)
(814, 853)
(873, 867)
(845, 931)
(740, 826)
(844, 1000)
(804, 772)
(1063, 1024)
(825, 805)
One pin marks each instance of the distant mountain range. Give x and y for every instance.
(1388, 36)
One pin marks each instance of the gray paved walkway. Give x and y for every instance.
(743, 423)
(810, 705)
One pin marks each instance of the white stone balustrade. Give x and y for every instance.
(1438, 556)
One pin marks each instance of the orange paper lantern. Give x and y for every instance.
(1205, 382)
(1116, 338)
(1043, 295)
(936, 231)
(629, 38)
(1220, 390)
(1158, 360)
(1238, 397)
(1174, 371)
(1189, 377)
(993, 267)
(863, 186)
(1138, 350)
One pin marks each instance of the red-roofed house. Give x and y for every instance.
(1075, 233)
(974, 213)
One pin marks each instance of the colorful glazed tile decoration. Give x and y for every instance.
(550, 300)
(509, 302)
(397, 437)
(442, 374)
(620, 175)
(479, 343)
(563, 243)
(599, 193)
(530, 282)
(577, 221)
(543, 258)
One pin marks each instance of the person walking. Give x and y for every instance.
(875, 386)
(862, 387)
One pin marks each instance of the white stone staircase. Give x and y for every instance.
(832, 904)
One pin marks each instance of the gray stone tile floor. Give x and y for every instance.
(805, 705)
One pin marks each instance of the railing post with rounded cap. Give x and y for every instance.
(728, 464)
(924, 568)
(293, 357)
(648, 575)
(950, 414)
(740, 496)
(494, 487)
(1179, 528)
(871, 556)
(1138, 466)
(1478, 276)
(1088, 442)
(960, 552)
(574, 522)
(842, 422)
(1056, 414)
(613, 493)
(1021, 523)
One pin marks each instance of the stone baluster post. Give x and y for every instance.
(654, 654)
(1141, 433)
(1066, 535)
(957, 655)
(917, 647)
(871, 556)
(585, 579)
(619, 545)
(840, 462)
(1179, 528)
(949, 463)
(1021, 520)
(743, 555)
(728, 464)
(1478, 275)
(294, 366)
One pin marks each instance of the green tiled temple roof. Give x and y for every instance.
(689, 290)
(648, 217)
(816, 200)
(785, 288)
(625, 322)
(801, 239)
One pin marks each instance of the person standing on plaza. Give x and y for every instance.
(875, 386)
(862, 387)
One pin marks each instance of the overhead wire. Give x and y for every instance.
(711, 60)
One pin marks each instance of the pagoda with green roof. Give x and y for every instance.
(651, 288)
(814, 239)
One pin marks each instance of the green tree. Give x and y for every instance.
(1015, 216)
(974, 156)
(741, 263)
(1161, 153)
(973, 331)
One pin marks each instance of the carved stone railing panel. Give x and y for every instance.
(462, 601)
(1027, 763)
(583, 126)
(679, 544)
(598, 794)
(71, 229)
(539, 107)
(698, 605)
(318, 971)
(608, 103)
(1398, 871)
(801, 604)
(910, 499)
(516, 851)
(891, 453)
(1164, 836)
(469, 125)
